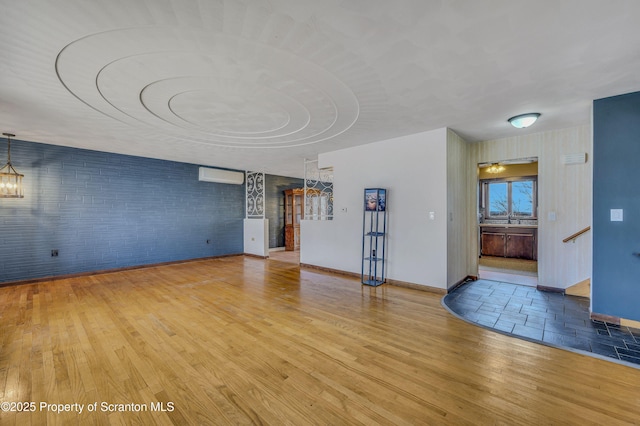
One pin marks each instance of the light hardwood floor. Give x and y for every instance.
(241, 340)
(285, 256)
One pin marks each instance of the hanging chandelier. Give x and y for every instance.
(10, 179)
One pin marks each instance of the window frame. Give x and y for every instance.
(485, 194)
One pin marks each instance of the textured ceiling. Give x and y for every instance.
(261, 85)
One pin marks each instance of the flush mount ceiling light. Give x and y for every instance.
(524, 120)
(10, 179)
(495, 168)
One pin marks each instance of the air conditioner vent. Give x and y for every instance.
(579, 158)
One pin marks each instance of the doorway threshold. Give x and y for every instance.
(513, 277)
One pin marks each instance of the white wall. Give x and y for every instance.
(563, 189)
(256, 237)
(413, 169)
(426, 172)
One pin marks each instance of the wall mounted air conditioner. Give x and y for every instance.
(206, 174)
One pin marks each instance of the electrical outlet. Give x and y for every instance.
(208, 241)
(54, 253)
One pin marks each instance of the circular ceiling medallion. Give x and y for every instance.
(209, 88)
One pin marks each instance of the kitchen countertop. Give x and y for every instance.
(507, 225)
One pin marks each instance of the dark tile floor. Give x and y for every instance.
(545, 317)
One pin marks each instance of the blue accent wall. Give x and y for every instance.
(274, 208)
(616, 178)
(104, 211)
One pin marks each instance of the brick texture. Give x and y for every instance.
(104, 211)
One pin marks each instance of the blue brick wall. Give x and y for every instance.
(274, 205)
(105, 211)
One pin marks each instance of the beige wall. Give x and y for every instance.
(459, 265)
(565, 190)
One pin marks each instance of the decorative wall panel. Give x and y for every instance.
(318, 187)
(255, 195)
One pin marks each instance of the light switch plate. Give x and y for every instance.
(616, 215)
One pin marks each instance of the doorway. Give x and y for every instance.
(507, 225)
(293, 215)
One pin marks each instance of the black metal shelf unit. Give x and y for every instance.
(374, 232)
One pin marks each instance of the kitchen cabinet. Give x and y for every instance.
(493, 244)
(509, 241)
